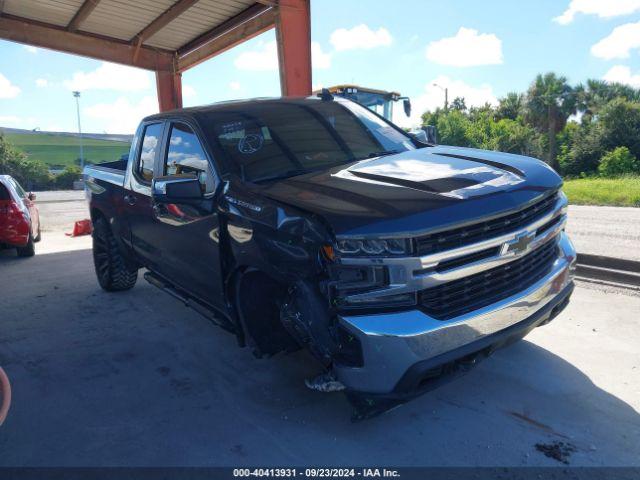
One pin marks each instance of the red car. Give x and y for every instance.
(19, 217)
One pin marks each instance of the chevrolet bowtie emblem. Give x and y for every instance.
(518, 245)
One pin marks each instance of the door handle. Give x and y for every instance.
(130, 199)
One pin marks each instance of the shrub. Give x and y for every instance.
(70, 174)
(581, 150)
(620, 121)
(31, 174)
(618, 162)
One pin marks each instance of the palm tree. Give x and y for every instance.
(510, 106)
(597, 93)
(550, 102)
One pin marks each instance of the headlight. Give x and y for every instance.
(373, 247)
(367, 248)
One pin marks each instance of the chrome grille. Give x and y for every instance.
(477, 232)
(458, 297)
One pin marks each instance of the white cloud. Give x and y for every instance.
(9, 119)
(467, 48)
(601, 8)
(31, 49)
(110, 76)
(234, 85)
(122, 116)
(188, 91)
(622, 74)
(7, 89)
(265, 57)
(42, 82)
(319, 59)
(360, 37)
(619, 42)
(432, 97)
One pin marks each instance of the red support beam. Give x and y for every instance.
(169, 88)
(45, 35)
(293, 34)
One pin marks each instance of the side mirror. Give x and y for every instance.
(31, 196)
(431, 133)
(183, 189)
(407, 107)
(420, 136)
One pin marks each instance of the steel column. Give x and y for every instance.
(293, 34)
(169, 88)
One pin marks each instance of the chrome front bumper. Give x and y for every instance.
(392, 343)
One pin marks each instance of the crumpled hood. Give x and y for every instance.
(418, 190)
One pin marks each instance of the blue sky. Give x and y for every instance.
(479, 49)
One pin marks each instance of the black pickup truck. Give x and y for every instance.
(314, 222)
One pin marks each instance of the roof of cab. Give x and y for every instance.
(235, 105)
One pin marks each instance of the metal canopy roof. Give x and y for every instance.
(173, 27)
(165, 36)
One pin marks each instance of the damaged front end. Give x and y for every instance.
(391, 318)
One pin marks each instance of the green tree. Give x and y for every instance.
(512, 136)
(581, 148)
(29, 173)
(620, 120)
(510, 107)
(452, 128)
(550, 101)
(458, 104)
(595, 94)
(70, 174)
(619, 161)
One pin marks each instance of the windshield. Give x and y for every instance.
(264, 142)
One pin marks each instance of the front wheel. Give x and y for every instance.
(111, 268)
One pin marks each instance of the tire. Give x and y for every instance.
(29, 250)
(113, 273)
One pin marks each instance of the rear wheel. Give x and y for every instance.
(111, 268)
(29, 250)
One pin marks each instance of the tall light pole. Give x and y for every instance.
(77, 95)
(446, 95)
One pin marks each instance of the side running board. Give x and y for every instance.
(204, 310)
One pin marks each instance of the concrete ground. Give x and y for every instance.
(136, 378)
(60, 209)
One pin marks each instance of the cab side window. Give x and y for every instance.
(150, 143)
(185, 155)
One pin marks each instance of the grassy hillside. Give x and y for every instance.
(60, 150)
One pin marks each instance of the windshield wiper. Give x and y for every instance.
(287, 174)
(381, 153)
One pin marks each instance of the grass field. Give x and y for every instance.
(62, 150)
(619, 192)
